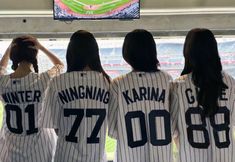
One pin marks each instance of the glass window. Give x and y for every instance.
(169, 53)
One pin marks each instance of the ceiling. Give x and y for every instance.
(162, 17)
(145, 4)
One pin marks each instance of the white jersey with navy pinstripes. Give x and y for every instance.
(203, 139)
(22, 138)
(139, 117)
(76, 105)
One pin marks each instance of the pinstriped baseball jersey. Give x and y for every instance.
(203, 139)
(23, 138)
(139, 117)
(76, 105)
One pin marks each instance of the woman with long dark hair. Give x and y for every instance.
(22, 92)
(139, 115)
(77, 103)
(203, 102)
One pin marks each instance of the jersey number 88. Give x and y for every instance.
(217, 128)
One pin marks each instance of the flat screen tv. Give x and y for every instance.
(96, 9)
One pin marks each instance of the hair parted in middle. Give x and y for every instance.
(83, 51)
(139, 51)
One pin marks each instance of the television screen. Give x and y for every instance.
(96, 9)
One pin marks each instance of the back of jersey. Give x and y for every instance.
(23, 137)
(139, 117)
(201, 138)
(76, 105)
(22, 100)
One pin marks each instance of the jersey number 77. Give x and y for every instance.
(80, 113)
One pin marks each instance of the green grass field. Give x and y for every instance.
(110, 147)
(90, 7)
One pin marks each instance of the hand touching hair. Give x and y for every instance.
(24, 48)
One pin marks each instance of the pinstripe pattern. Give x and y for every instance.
(27, 141)
(133, 97)
(181, 104)
(72, 97)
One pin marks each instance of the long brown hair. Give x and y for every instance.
(22, 50)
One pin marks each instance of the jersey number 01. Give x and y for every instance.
(29, 109)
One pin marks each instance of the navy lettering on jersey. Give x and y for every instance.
(81, 92)
(30, 110)
(218, 128)
(189, 96)
(22, 96)
(154, 140)
(192, 99)
(144, 93)
(223, 95)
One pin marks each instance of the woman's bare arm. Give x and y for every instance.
(4, 61)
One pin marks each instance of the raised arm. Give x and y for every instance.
(55, 60)
(4, 61)
(58, 65)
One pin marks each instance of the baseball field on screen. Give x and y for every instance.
(96, 7)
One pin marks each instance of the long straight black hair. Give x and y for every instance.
(139, 51)
(83, 52)
(203, 61)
